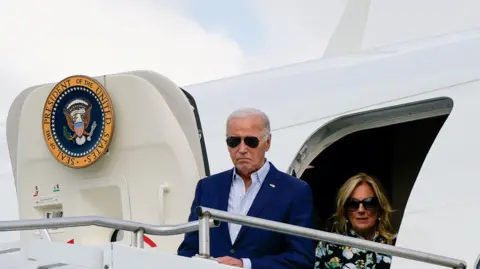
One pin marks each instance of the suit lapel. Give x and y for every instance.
(223, 195)
(263, 196)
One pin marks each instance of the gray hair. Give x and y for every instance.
(246, 112)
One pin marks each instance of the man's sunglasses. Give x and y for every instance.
(370, 203)
(250, 141)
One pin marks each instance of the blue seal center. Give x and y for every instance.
(78, 121)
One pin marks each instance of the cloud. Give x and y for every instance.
(45, 41)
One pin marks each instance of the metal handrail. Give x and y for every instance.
(206, 214)
(132, 226)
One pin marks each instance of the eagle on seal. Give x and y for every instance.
(77, 113)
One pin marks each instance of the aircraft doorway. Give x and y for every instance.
(392, 151)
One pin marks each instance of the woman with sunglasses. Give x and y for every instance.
(363, 211)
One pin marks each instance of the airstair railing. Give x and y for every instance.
(206, 214)
(210, 218)
(138, 228)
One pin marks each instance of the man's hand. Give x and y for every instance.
(230, 261)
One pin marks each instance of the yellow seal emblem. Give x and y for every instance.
(78, 121)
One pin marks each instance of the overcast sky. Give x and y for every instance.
(186, 40)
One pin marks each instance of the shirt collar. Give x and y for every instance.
(355, 234)
(258, 176)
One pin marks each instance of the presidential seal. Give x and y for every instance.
(78, 121)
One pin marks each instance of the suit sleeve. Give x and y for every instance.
(299, 252)
(189, 246)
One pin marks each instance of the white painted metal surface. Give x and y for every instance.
(125, 183)
(42, 254)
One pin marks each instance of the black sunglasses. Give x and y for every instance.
(250, 141)
(370, 203)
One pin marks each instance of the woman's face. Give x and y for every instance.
(362, 209)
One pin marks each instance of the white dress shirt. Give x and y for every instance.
(240, 201)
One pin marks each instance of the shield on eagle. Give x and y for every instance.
(79, 127)
(77, 113)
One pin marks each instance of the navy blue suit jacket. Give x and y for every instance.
(290, 201)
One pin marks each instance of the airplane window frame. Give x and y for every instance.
(340, 127)
(434, 111)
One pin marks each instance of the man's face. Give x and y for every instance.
(247, 153)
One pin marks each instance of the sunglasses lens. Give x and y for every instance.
(251, 141)
(370, 203)
(353, 205)
(233, 141)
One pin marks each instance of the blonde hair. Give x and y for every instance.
(384, 226)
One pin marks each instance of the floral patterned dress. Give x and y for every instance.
(334, 256)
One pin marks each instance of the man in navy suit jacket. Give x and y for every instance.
(254, 187)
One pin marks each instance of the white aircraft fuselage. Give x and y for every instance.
(305, 99)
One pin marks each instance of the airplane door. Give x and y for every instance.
(187, 116)
(192, 102)
(441, 214)
(144, 170)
